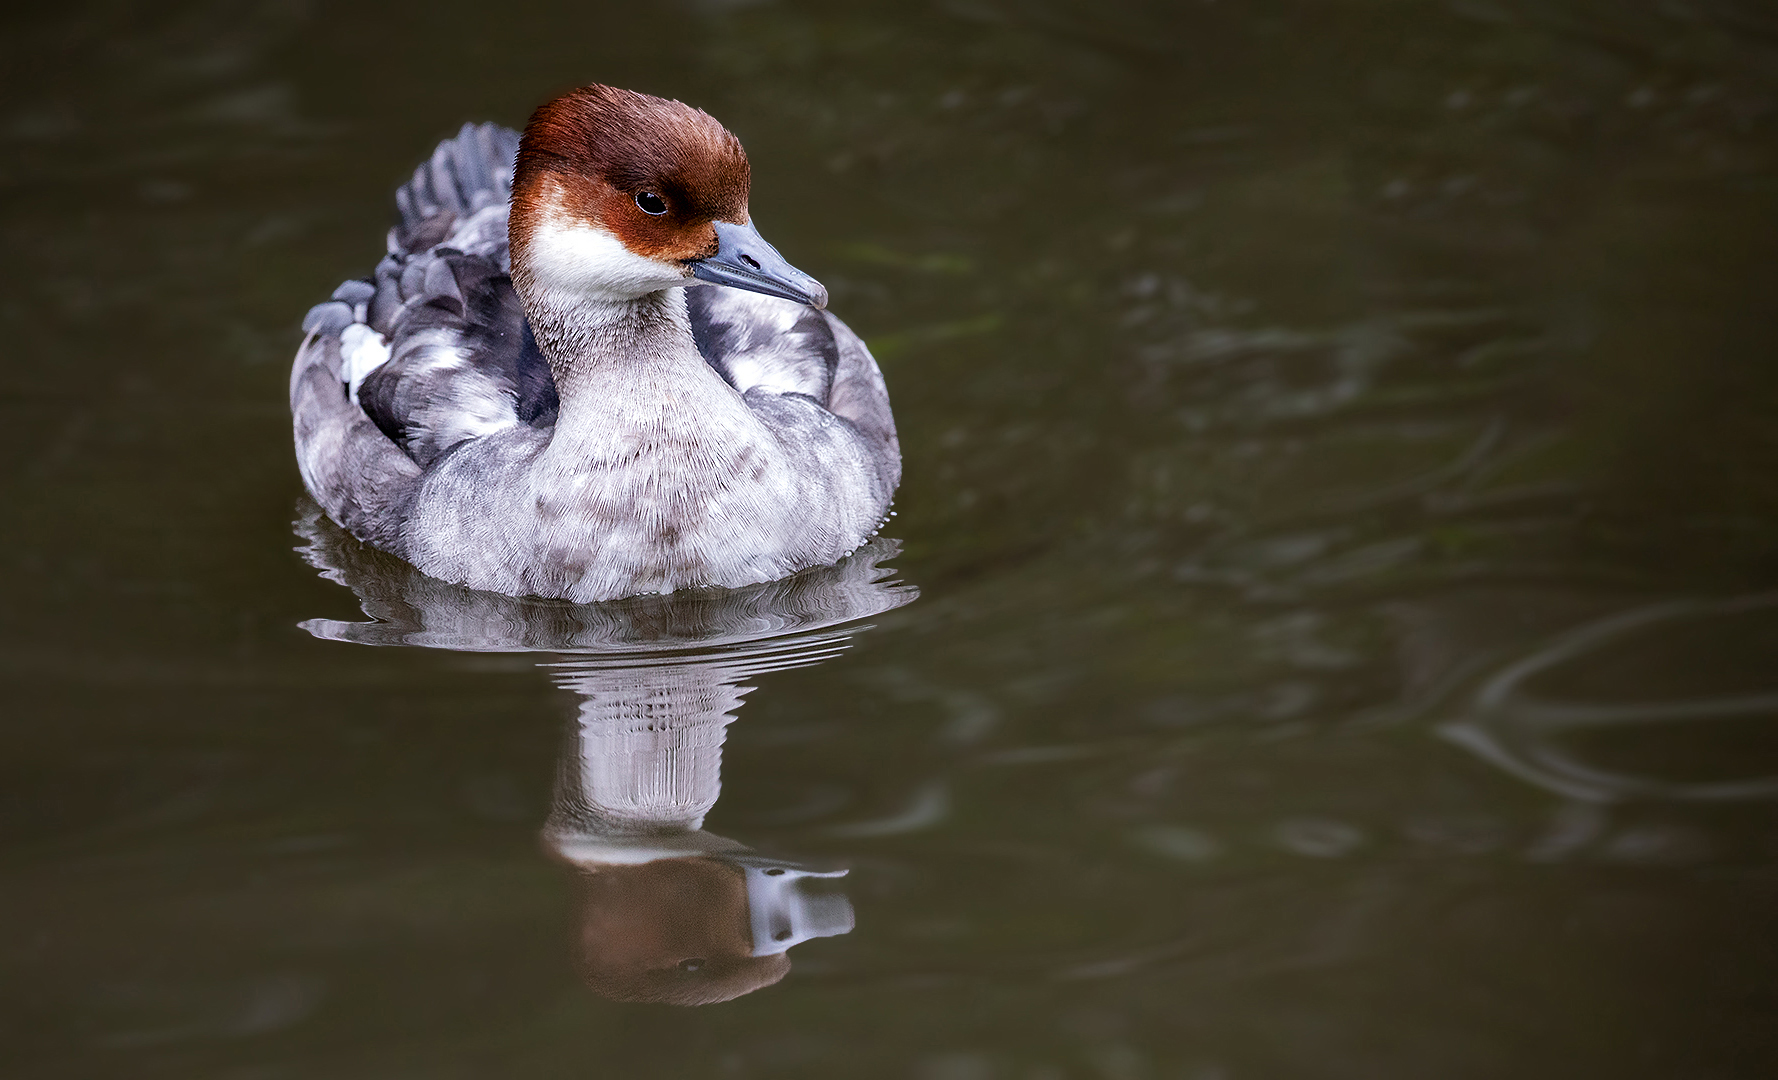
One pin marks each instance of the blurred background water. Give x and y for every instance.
(1342, 486)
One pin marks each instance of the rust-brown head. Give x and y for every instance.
(673, 931)
(618, 194)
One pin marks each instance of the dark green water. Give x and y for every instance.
(1342, 485)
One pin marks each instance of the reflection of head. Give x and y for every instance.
(674, 931)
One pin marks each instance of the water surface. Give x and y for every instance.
(1342, 490)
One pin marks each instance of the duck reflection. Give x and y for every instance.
(667, 911)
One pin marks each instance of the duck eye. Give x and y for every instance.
(650, 203)
(695, 962)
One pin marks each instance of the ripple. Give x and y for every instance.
(1530, 736)
(1178, 842)
(1319, 838)
(408, 608)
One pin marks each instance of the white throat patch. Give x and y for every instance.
(579, 258)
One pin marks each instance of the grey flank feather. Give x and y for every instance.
(359, 477)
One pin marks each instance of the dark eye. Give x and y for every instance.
(651, 203)
(695, 962)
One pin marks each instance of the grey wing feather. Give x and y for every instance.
(462, 360)
(860, 397)
(763, 343)
(459, 197)
(359, 477)
(760, 341)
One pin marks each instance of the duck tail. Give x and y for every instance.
(465, 174)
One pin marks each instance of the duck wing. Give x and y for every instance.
(435, 347)
(436, 333)
(764, 345)
(460, 359)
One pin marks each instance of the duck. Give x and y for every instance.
(580, 373)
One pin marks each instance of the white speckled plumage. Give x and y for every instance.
(612, 433)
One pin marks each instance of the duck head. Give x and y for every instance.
(617, 195)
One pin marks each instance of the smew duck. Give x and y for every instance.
(530, 396)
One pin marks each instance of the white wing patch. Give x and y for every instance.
(363, 351)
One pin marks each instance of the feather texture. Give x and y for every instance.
(401, 372)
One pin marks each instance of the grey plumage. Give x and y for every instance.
(330, 318)
(756, 341)
(354, 292)
(468, 173)
(426, 463)
(405, 607)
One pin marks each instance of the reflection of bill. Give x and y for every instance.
(667, 911)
